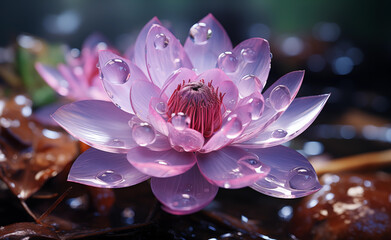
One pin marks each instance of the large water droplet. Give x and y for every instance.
(279, 133)
(233, 127)
(116, 71)
(110, 177)
(200, 33)
(180, 121)
(161, 108)
(280, 98)
(228, 62)
(302, 178)
(257, 106)
(248, 55)
(161, 41)
(183, 201)
(248, 85)
(117, 143)
(143, 134)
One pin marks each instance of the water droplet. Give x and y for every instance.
(162, 162)
(143, 134)
(257, 106)
(269, 182)
(183, 201)
(161, 108)
(117, 143)
(116, 71)
(161, 41)
(200, 33)
(248, 85)
(248, 55)
(279, 133)
(302, 178)
(117, 105)
(280, 97)
(180, 121)
(227, 61)
(110, 177)
(233, 127)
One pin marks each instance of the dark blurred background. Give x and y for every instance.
(344, 46)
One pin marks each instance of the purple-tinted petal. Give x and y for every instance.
(96, 90)
(77, 85)
(215, 75)
(231, 167)
(97, 123)
(54, 78)
(176, 78)
(118, 74)
(89, 53)
(43, 114)
(207, 40)
(185, 193)
(91, 43)
(157, 115)
(105, 170)
(188, 140)
(300, 114)
(253, 59)
(139, 46)
(277, 97)
(290, 176)
(231, 96)
(160, 163)
(141, 94)
(164, 54)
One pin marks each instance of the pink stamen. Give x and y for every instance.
(199, 101)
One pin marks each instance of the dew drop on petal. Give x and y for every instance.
(280, 97)
(233, 127)
(249, 84)
(302, 178)
(116, 71)
(228, 62)
(257, 106)
(117, 143)
(110, 177)
(279, 133)
(200, 33)
(248, 55)
(161, 108)
(183, 201)
(143, 134)
(161, 41)
(180, 121)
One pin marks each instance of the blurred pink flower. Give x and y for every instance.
(78, 79)
(193, 119)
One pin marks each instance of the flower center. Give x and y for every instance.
(201, 103)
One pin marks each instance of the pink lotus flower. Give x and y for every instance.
(193, 119)
(79, 78)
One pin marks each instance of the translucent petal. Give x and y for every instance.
(188, 140)
(185, 193)
(139, 46)
(215, 75)
(284, 91)
(253, 56)
(141, 94)
(105, 170)
(118, 80)
(176, 78)
(164, 54)
(43, 114)
(290, 176)
(158, 114)
(231, 96)
(77, 86)
(97, 123)
(204, 54)
(54, 78)
(297, 118)
(231, 167)
(160, 163)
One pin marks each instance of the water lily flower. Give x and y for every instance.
(78, 79)
(193, 119)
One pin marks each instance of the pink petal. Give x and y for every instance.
(290, 176)
(93, 40)
(105, 170)
(188, 140)
(97, 123)
(215, 75)
(97, 91)
(231, 96)
(253, 59)
(176, 78)
(118, 74)
(297, 118)
(206, 42)
(185, 193)
(160, 163)
(231, 167)
(139, 46)
(164, 54)
(277, 97)
(54, 78)
(77, 85)
(157, 115)
(141, 94)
